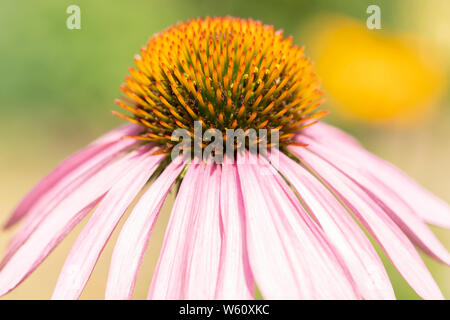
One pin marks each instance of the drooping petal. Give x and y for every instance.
(118, 133)
(204, 238)
(66, 167)
(325, 132)
(72, 179)
(289, 256)
(271, 267)
(331, 279)
(67, 185)
(169, 275)
(425, 204)
(91, 241)
(235, 277)
(59, 222)
(135, 234)
(394, 242)
(355, 248)
(398, 210)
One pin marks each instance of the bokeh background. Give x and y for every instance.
(388, 87)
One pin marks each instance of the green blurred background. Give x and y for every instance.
(388, 87)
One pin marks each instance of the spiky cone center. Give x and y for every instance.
(226, 73)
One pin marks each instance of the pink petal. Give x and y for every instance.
(425, 204)
(63, 189)
(118, 133)
(66, 167)
(326, 133)
(204, 238)
(169, 275)
(358, 253)
(271, 267)
(134, 236)
(68, 183)
(390, 237)
(331, 278)
(288, 255)
(398, 210)
(58, 223)
(91, 241)
(235, 278)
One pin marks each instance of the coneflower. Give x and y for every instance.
(287, 220)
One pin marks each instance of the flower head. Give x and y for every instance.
(290, 226)
(226, 73)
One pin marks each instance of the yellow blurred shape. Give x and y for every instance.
(373, 76)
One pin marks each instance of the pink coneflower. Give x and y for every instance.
(290, 220)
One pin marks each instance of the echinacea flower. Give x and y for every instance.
(291, 221)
